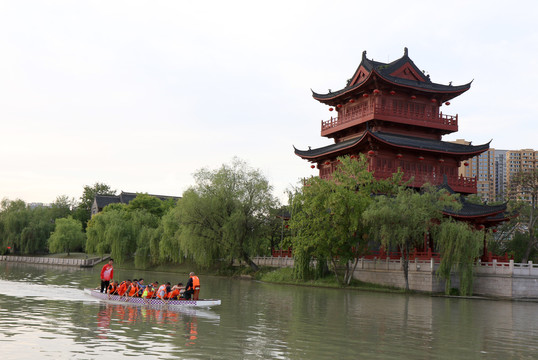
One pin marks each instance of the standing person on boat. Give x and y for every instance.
(107, 273)
(192, 284)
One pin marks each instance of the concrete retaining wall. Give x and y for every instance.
(53, 261)
(506, 280)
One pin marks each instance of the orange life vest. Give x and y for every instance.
(112, 289)
(134, 289)
(123, 288)
(161, 293)
(195, 282)
(173, 294)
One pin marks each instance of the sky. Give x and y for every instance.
(140, 95)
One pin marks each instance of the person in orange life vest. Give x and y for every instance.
(122, 289)
(112, 288)
(176, 290)
(132, 290)
(162, 291)
(192, 283)
(107, 273)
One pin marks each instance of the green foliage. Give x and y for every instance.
(169, 245)
(149, 203)
(402, 220)
(125, 231)
(223, 216)
(89, 192)
(26, 229)
(62, 207)
(525, 184)
(83, 210)
(459, 246)
(326, 221)
(67, 236)
(516, 245)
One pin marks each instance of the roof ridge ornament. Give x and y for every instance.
(405, 51)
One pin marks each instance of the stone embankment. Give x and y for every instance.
(83, 263)
(504, 280)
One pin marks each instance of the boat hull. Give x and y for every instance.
(168, 304)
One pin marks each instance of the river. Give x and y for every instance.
(44, 314)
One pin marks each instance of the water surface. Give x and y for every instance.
(44, 313)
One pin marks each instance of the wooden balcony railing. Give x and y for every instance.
(389, 113)
(457, 183)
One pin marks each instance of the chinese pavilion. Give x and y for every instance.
(391, 112)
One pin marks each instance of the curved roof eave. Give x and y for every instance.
(348, 144)
(433, 88)
(478, 149)
(331, 149)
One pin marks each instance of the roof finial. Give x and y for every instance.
(364, 54)
(405, 51)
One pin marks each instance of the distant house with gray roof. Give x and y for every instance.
(100, 201)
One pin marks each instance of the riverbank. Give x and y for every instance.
(73, 260)
(283, 275)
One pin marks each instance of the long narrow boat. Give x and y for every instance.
(156, 303)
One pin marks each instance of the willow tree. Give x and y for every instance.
(326, 218)
(223, 215)
(459, 246)
(125, 231)
(169, 245)
(402, 220)
(67, 236)
(111, 231)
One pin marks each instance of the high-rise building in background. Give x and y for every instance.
(494, 170)
(519, 161)
(481, 167)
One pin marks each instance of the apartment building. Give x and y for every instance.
(495, 168)
(519, 161)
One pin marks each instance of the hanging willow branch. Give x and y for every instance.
(459, 246)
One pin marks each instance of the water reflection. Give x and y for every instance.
(119, 315)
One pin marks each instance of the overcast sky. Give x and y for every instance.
(141, 94)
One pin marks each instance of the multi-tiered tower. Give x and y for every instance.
(393, 114)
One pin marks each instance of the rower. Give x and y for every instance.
(192, 287)
(161, 292)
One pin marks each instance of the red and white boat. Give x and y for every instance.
(155, 303)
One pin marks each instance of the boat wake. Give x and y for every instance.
(43, 292)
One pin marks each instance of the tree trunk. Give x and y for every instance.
(334, 269)
(532, 239)
(530, 246)
(352, 271)
(406, 267)
(249, 261)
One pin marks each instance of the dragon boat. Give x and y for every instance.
(155, 303)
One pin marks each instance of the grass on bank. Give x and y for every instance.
(285, 276)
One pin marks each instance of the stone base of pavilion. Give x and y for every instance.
(493, 279)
